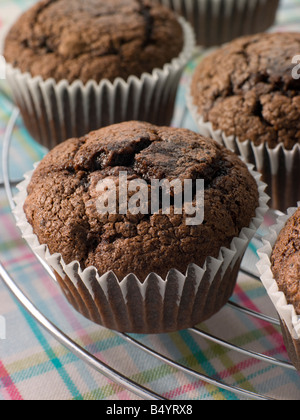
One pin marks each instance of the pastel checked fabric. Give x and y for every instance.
(33, 366)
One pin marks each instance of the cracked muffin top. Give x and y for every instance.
(286, 261)
(93, 39)
(246, 88)
(62, 200)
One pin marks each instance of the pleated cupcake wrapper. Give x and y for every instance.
(157, 305)
(290, 321)
(219, 21)
(280, 168)
(54, 112)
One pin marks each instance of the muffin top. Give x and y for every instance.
(93, 39)
(286, 261)
(247, 89)
(62, 200)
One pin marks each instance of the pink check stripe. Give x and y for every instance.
(8, 384)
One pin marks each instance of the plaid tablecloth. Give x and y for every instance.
(33, 366)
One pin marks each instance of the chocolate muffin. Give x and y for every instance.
(246, 95)
(279, 268)
(62, 200)
(246, 89)
(93, 39)
(76, 66)
(286, 261)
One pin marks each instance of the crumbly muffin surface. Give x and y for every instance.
(93, 39)
(62, 200)
(247, 89)
(286, 261)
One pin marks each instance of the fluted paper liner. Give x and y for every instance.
(53, 112)
(219, 21)
(157, 305)
(290, 321)
(280, 168)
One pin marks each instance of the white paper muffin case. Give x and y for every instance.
(53, 112)
(290, 321)
(280, 168)
(157, 305)
(219, 21)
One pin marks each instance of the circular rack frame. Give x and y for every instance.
(94, 362)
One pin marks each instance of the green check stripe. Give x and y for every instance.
(8, 246)
(55, 361)
(194, 356)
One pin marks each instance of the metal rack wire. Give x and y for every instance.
(103, 368)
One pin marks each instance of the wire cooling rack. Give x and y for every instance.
(110, 371)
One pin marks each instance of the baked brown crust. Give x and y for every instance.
(93, 39)
(61, 202)
(286, 261)
(246, 89)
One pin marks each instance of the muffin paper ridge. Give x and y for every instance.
(219, 21)
(286, 311)
(289, 320)
(157, 305)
